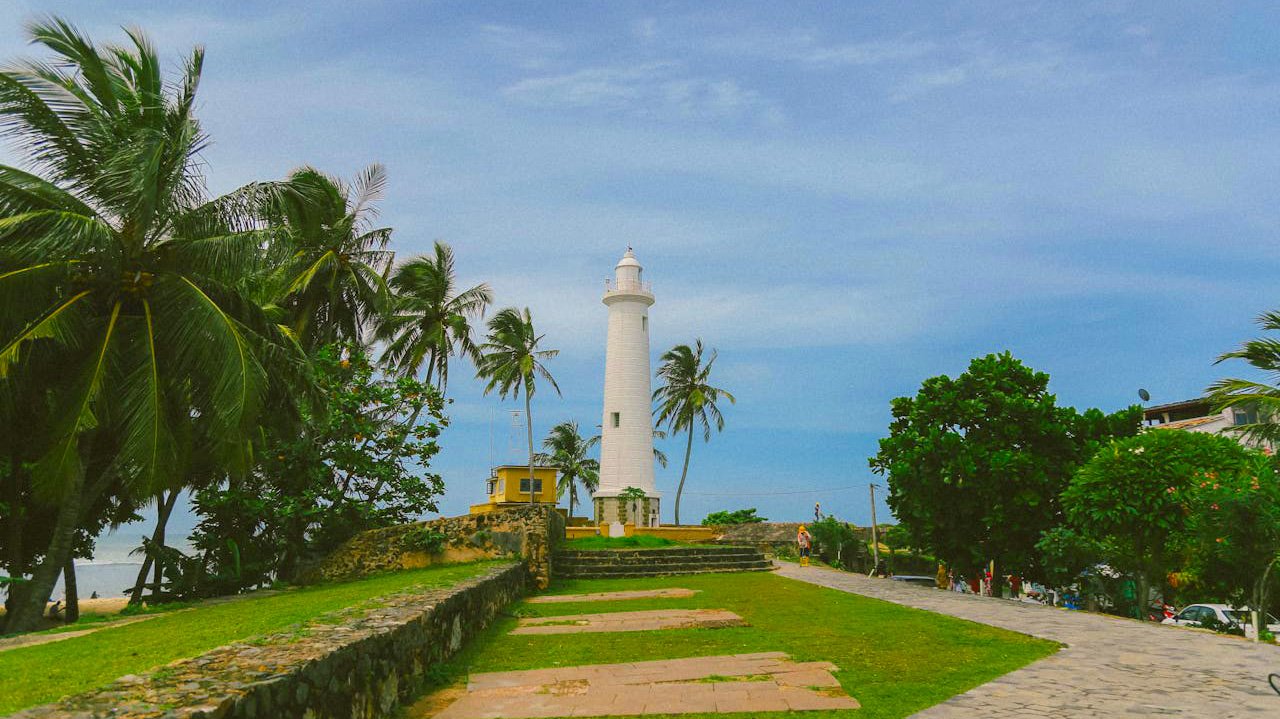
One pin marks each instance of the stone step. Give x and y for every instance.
(617, 563)
(626, 554)
(629, 572)
(700, 561)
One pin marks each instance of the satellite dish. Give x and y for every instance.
(1145, 395)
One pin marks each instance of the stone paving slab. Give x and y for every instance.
(670, 593)
(642, 621)
(759, 682)
(1110, 667)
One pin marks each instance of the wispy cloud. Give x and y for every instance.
(653, 89)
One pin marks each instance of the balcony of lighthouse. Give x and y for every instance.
(614, 287)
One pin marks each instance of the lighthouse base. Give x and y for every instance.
(642, 512)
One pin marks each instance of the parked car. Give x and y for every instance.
(1196, 615)
(909, 579)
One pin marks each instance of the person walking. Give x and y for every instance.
(805, 541)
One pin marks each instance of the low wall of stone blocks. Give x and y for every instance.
(361, 663)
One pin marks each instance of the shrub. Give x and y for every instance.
(737, 516)
(425, 539)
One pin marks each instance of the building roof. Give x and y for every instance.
(1183, 404)
(1188, 423)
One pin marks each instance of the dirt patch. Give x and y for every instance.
(671, 593)
(736, 683)
(650, 620)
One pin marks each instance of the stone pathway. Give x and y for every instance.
(672, 593)
(761, 682)
(1110, 667)
(644, 621)
(31, 640)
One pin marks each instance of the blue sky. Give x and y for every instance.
(844, 199)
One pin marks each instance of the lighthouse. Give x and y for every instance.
(626, 430)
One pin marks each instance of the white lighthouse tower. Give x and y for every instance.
(626, 436)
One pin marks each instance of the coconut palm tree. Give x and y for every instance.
(511, 361)
(687, 399)
(430, 321)
(1262, 400)
(567, 452)
(332, 279)
(119, 278)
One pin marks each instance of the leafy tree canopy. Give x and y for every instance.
(1136, 494)
(976, 463)
(737, 516)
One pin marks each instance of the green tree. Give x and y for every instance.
(121, 281)
(566, 450)
(687, 399)
(1235, 526)
(356, 467)
(1136, 493)
(737, 516)
(511, 362)
(430, 321)
(332, 279)
(975, 464)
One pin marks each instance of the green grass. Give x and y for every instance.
(894, 660)
(638, 541)
(44, 673)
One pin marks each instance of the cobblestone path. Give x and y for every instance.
(1110, 667)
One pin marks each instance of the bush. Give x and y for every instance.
(425, 539)
(837, 543)
(737, 516)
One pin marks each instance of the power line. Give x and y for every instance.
(773, 494)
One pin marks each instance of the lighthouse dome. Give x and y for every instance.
(628, 260)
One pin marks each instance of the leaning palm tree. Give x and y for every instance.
(687, 399)
(511, 361)
(567, 452)
(332, 280)
(430, 321)
(1262, 400)
(119, 278)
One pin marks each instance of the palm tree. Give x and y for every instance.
(120, 280)
(429, 322)
(1262, 400)
(511, 361)
(686, 399)
(333, 280)
(567, 452)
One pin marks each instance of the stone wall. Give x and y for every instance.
(359, 663)
(526, 531)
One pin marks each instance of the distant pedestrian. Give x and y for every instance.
(817, 512)
(804, 541)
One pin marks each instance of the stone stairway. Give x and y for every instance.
(618, 563)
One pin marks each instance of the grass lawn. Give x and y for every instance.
(894, 660)
(637, 541)
(47, 672)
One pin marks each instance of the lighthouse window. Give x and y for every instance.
(644, 322)
(617, 419)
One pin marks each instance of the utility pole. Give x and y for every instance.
(875, 536)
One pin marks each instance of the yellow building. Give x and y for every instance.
(509, 485)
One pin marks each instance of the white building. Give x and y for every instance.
(626, 435)
(1199, 415)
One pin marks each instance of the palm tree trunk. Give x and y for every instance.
(164, 508)
(573, 496)
(528, 416)
(72, 613)
(688, 449)
(27, 613)
(13, 529)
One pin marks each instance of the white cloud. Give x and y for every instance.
(654, 89)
